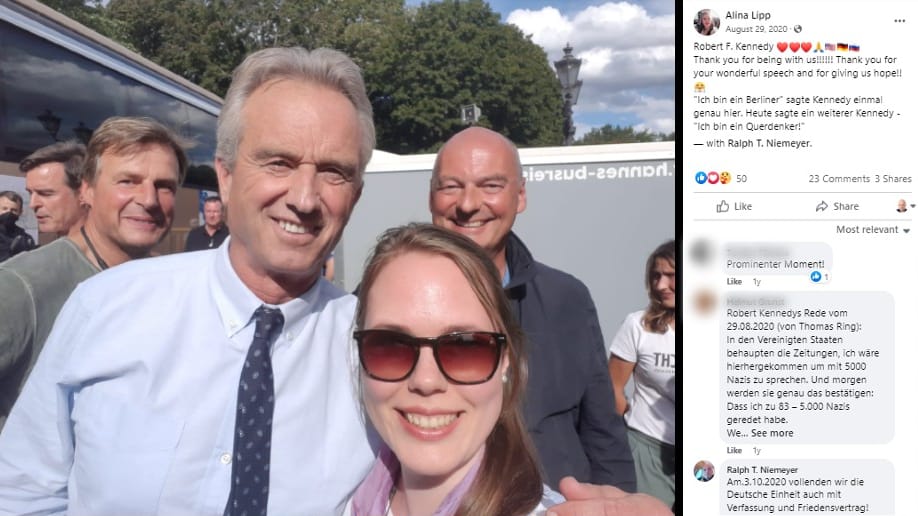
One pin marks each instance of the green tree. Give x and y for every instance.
(193, 38)
(204, 40)
(92, 14)
(455, 53)
(619, 134)
(420, 64)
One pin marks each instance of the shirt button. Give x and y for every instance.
(226, 458)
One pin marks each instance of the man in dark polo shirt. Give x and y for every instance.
(213, 232)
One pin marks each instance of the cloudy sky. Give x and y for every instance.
(628, 51)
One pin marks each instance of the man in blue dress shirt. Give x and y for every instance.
(131, 406)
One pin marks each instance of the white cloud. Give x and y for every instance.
(544, 21)
(628, 57)
(657, 114)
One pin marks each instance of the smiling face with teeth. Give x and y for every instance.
(132, 201)
(477, 189)
(433, 426)
(295, 182)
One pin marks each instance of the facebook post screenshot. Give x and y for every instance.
(798, 288)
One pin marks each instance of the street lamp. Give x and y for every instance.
(82, 133)
(568, 67)
(50, 122)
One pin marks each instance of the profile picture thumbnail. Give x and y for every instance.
(707, 22)
(704, 470)
(704, 301)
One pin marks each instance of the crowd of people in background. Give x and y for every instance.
(130, 173)
(222, 381)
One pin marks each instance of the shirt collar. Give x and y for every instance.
(372, 496)
(236, 303)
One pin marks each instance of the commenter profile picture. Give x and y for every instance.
(704, 470)
(707, 22)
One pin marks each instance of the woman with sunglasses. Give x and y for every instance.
(442, 373)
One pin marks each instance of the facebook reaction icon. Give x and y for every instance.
(815, 276)
(701, 178)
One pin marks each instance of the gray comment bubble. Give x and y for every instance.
(787, 258)
(807, 487)
(807, 367)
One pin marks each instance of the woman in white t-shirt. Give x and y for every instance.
(645, 348)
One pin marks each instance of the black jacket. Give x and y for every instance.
(569, 406)
(14, 240)
(199, 240)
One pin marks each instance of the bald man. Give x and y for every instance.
(478, 189)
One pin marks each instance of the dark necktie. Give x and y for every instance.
(254, 412)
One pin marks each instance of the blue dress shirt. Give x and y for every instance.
(130, 408)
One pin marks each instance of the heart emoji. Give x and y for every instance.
(713, 177)
(782, 46)
(806, 46)
(794, 46)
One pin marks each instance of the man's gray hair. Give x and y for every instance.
(323, 66)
